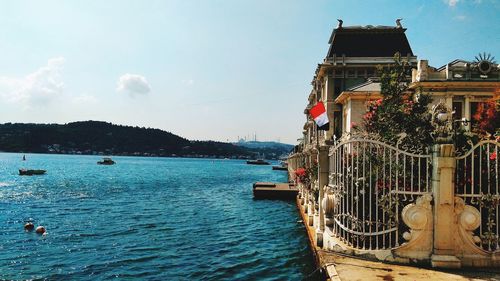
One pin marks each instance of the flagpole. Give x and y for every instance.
(320, 195)
(317, 154)
(317, 137)
(318, 113)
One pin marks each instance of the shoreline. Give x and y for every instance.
(330, 273)
(136, 156)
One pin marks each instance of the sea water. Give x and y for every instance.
(146, 218)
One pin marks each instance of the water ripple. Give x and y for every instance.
(146, 219)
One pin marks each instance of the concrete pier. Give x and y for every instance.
(270, 190)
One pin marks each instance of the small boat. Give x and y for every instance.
(281, 168)
(29, 172)
(106, 161)
(257, 162)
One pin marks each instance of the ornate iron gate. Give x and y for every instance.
(477, 184)
(370, 182)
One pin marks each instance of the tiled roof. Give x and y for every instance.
(369, 41)
(456, 62)
(368, 86)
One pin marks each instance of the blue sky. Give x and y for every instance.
(203, 69)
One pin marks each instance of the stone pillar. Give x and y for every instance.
(445, 226)
(422, 71)
(329, 104)
(449, 100)
(467, 111)
(323, 172)
(347, 120)
(448, 72)
(330, 112)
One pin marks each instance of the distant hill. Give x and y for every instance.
(102, 138)
(266, 148)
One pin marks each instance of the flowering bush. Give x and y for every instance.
(369, 117)
(487, 118)
(307, 175)
(399, 111)
(301, 176)
(300, 172)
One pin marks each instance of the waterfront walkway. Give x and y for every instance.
(340, 267)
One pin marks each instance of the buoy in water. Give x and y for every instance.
(29, 226)
(40, 230)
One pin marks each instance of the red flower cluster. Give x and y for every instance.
(300, 172)
(372, 109)
(408, 106)
(373, 105)
(301, 176)
(487, 117)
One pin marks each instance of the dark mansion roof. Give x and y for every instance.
(368, 41)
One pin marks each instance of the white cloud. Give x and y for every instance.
(38, 88)
(452, 3)
(460, 17)
(133, 84)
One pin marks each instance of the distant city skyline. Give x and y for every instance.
(204, 70)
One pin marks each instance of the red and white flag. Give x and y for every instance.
(318, 113)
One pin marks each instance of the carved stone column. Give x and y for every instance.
(467, 111)
(443, 188)
(323, 172)
(445, 226)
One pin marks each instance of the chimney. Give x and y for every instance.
(422, 70)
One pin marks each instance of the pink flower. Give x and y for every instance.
(493, 156)
(300, 172)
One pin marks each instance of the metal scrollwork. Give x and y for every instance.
(401, 143)
(478, 198)
(462, 150)
(370, 179)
